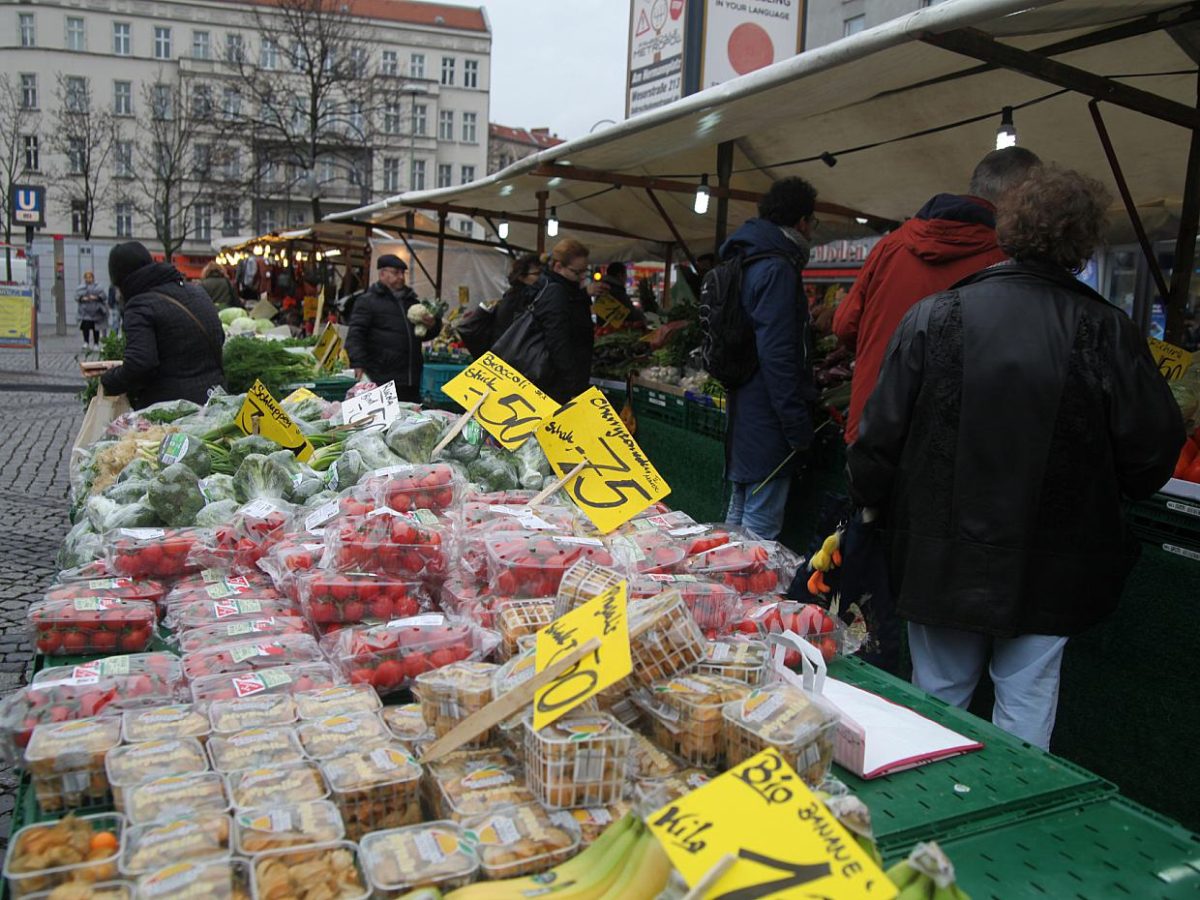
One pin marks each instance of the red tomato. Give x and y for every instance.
(381, 608)
(362, 676)
(414, 665)
(388, 674)
(74, 642)
(49, 642)
(104, 641)
(353, 611)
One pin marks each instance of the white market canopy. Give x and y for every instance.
(906, 109)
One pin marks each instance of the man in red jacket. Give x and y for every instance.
(950, 238)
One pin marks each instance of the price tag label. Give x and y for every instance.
(611, 311)
(785, 842)
(299, 395)
(514, 407)
(1172, 361)
(618, 481)
(273, 423)
(377, 408)
(328, 349)
(605, 617)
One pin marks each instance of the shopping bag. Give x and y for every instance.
(100, 414)
(523, 345)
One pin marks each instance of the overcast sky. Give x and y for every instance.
(559, 63)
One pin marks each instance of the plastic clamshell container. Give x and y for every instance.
(251, 788)
(338, 734)
(255, 748)
(219, 634)
(66, 762)
(341, 699)
(685, 715)
(202, 613)
(134, 763)
(518, 840)
(163, 670)
(150, 847)
(406, 723)
(178, 720)
(651, 793)
(648, 760)
(99, 621)
(104, 890)
(125, 588)
(433, 854)
(577, 760)
(252, 655)
(263, 711)
(283, 826)
(517, 618)
(533, 565)
(310, 871)
(591, 820)
(351, 597)
(746, 661)
(435, 486)
(176, 796)
(375, 789)
(801, 726)
(217, 879)
(279, 680)
(472, 782)
(77, 833)
(450, 694)
(668, 640)
(406, 545)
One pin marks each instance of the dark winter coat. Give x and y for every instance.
(168, 356)
(381, 340)
(769, 415)
(1012, 413)
(220, 290)
(564, 311)
(514, 302)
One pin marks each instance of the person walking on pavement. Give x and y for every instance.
(1012, 413)
(381, 341)
(93, 311)
(770, 423)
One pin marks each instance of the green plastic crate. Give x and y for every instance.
(433, 377)
(332, 389)
(659, 405)
(960, 795)
(706, 420)
(1108, 849)
(1170, 521)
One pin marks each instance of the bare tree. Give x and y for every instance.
(83, 134)
(16, 121)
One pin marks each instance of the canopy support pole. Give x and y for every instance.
(441, 257)
(724, 173)
(668, 261)
(542, 196)
(415, 258)
(1185, 244)
(671, 225)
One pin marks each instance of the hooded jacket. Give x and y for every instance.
(769, 414)
(381, 340)
(950, 238)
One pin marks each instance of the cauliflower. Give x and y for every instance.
(421, 317)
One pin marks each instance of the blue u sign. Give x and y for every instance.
(29, 204)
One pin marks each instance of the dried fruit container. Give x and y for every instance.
(251, 788)
(745, 661)
(152, 846)
(584, 580)
(432, 855)
(279, 680)
(152, 552)
(577, 760)
(124, 588)
(517, 840)
(518, 618)
(405, 545)
(134, 763)
(648, 760)
(351, 597)
(802, 727)
(472, 782)
(86, 890)
(342, 699)
(312, 872)
(65, 761)
(533, 565)
(255, 748)
(261, 711)
(434, 487)
(92, 625)
(41, 857)
(252, 655)
(176, 796)
(592, 821)
(375, 789)
(715, 606)
(664, 638)
(685, 715)
(390, 656)
(216, 879)
(342, 733)
(218, 634)
(179, 720)
(407, 724)
(450, 694)
(282, 826)
(652, 793)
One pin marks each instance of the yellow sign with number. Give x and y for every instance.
(260, 414)
(610, 311)
(1172, 361)
(605, 617)
(785, 842)
(618, 481)
(328, 349)
(514, 407)
(299, 395)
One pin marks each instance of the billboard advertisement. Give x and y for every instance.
(742, 36)
(657, 32)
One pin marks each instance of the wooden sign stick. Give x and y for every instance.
(711, 877)
(547, 492)
(499, 710)
(458, 426)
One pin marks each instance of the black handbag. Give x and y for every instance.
(523, 344)
(477, 330)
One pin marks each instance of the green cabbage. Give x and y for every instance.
(261, 476)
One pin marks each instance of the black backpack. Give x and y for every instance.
(727, 348)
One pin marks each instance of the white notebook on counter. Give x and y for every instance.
(877, 737)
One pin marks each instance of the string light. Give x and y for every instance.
(1006, 134)
(701, 204)
(502, 230)
(552, 222)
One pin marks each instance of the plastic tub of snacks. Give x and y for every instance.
(75, 848)
(287, 825)
(517, 840)
(316, 872)
(134, 763)
(218, 879)
(685, 715)
(179, 720)
(432, 855)
(665, 639)
(251, 788)
(375, 789)
(799, 725)
(66, 762)
(154, 845)
(450, 694)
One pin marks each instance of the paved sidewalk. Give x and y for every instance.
(58, 364)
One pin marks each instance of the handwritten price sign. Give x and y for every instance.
(785, 842)
(513, 406)
(328, 349)
(605, 617)
(272, 422)
(618, 481)
(375, 409)
(1172, 361)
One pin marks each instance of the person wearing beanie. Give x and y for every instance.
(173, 336)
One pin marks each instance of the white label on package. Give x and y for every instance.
(321, 515)
(586, 542)
(426, 621)
(259, 508)
(687, 532)
(144, 534)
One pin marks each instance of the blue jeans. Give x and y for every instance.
(947, 663)
(762, 513)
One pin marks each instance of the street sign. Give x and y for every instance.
(29, 205)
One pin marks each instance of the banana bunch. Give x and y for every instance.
(927, 874)
(824, 560)
(625, 863)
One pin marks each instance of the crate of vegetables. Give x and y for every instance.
(337, 598)
(75, 848)
(92, 625)
(407, 545)
(391, 656)
(252, 655)
(434, 487)
(533, 565)
(152, 552)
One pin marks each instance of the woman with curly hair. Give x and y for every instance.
(1012, 414)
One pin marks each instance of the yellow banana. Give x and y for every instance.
(645, 874)
(920, 889)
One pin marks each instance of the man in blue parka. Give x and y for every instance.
(770, 422)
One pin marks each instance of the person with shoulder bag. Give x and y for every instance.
(484, 325)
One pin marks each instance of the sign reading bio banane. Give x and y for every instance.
(657, 30)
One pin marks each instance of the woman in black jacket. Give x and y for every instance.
(564, 312)
(1011, 415)
(523, 278)
(173, 336)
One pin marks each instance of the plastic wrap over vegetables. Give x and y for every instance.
(174, 494)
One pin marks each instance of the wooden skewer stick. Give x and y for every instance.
(547, 492)
(711, 877)
(458, 426)
(499, 710)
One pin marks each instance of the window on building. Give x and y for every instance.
(163, 106)
(448, 70)
(201, 160)
(162, 42)
(356, 118)
(76, 155)
(202, 104)
(445, 175)
(123, 98)
(78, 216)
(123, 159)
(299, 217)
(358, 62)
(162, 159)
(853, 25)
(391, 174)
(469, 130)
(231, 103)
(235, 48)
(471, 73)
(325, 170)
(270, 218)
(391, 117)
(446, 125)
(355, 175)
(468, 174)
(124, 215)
(420, 119)
(416, 65)
(417, 181)
(75, 39)
(296, 57)
(201, 45)
(33, 161)
(231, 219)
(202, 222)
(466, 226)
(121, 39)
(25, 25)
(75, 94)
(231, 164)
(29, 91)
(268, 54)
(270, 172)
(389, 63)
(299, 115)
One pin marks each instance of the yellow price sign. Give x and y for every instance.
(784, 841)
(513, 407)
(605, 617)
(261, 414)
(328, 349)
(618, 480)
(1172, 361)
(16, 316)
(299, 395)
(610, 311)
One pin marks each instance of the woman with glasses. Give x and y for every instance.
(564, 312)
